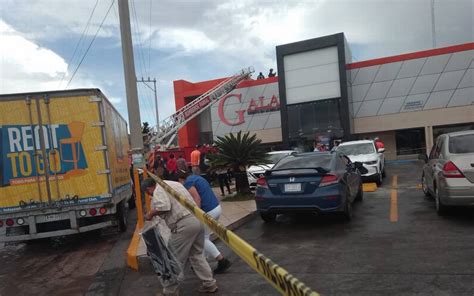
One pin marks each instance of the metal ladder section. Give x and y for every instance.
(171, 125)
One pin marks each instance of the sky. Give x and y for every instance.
(43, 43)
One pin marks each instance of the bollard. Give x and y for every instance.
(138, 201)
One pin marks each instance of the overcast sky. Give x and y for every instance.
(202, 40)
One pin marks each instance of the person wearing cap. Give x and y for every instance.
(187, 234)
(195, 160)
(205, 198)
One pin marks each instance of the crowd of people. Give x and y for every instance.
(189, 240)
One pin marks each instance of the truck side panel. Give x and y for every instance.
(71, 138)
(117, 149)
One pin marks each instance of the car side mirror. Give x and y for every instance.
(423, 157)
(381, 150)
(360, 167)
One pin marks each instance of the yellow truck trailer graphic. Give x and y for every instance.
(62, 154)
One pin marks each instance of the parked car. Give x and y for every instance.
(320, 182)
(448, 174)
(254, 171)
(366, 152)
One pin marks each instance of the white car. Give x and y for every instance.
(254, 172)
(366, 152)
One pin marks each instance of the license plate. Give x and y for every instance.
(53, 217)
(293, 187)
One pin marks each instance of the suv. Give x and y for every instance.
(366, 152)
(448, 173)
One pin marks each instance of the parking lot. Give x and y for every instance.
(396, 244)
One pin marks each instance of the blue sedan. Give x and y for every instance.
(314, 182)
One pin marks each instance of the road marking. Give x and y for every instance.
(369, 187)
(394, 200)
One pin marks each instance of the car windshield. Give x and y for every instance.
(305, 162)
(274, 158)
(357, 149)
(461, 144)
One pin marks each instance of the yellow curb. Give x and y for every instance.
(132, 260)
(369, 187)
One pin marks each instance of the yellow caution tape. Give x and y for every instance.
(281, 279)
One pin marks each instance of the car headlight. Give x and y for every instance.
(370, 162)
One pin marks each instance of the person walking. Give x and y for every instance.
(205, 198)
(187, 234)
(223, 179)
(195, 160)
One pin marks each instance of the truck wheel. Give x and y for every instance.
(121, 216)
(131, 202)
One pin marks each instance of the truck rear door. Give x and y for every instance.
(51, 152)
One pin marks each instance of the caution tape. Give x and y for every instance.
(281, 279)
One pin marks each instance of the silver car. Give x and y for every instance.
(448, 174)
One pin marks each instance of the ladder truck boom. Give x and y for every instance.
(170, 125)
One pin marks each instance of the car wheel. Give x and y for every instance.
(360, 193)
(379, 179)
(348, 211)
(268, 217)
(440, 207)
(121, 216)
(424, 186)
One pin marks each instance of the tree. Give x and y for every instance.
(238, 152)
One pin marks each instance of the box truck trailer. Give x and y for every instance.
(64, 165)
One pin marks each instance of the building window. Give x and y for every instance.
(313, 119)
(410, 141)
(439, 130)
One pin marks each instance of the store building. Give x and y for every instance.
(320, 95)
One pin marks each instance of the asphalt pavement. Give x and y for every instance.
(396, 244)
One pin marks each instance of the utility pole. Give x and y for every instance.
(156, 98)
(433, 24)
(131, 85)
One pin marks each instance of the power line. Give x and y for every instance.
(149, 41)
(140, 47)
(79, 42)
(90, 44)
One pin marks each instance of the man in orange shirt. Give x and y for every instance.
(195, 159)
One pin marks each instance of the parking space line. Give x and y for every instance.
(394, 200)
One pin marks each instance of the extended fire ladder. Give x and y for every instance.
(169, 127)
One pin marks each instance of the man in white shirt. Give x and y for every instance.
(187, 234)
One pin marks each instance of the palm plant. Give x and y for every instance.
(238, 152)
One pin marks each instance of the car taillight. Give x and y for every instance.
(261, 182)
(450, 170)
(9, 222)
(93, 212)
(329, 180)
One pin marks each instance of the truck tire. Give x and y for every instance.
(121, 216)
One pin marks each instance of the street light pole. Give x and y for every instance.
(131, 85)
